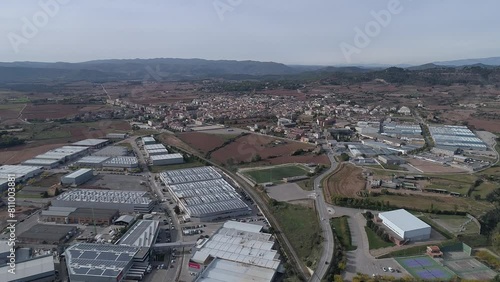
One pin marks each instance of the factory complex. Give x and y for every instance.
(203, 194)
(236, 252)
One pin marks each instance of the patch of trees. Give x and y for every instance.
(9, 141)
(377, 229)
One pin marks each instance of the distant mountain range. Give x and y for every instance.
(171, 69)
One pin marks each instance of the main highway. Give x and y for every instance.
(324, 221)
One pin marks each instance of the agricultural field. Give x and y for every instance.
(9, 111)
(52, 134)
(274, 174)
(269, 151)
(449, 203)
(57, 111)
(346, 181)
(203, 142)
(302, 229)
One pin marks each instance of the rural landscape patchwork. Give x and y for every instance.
(207, 170)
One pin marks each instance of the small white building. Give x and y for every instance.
(405, 225)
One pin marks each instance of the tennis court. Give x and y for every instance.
(467, 267)
(424, 267)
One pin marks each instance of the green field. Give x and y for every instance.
(374, 241)
(302, 229)
(51, 134)
(275, 174)
(451, 223)
(341, 229)
(484, 189)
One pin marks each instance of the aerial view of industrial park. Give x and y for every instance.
(249, 141)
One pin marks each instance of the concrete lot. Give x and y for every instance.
(117, 182)
(287, 192)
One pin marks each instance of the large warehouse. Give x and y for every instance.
(148, 140)
(77, 177)
(65, 153)
(167, 159)
(20, 172)
(92, 143)
(203, 194)
(112, 151)
(405, 225)
(121, 162)
(46, 163)
(237, 252)
(91, 161)
(122, 200)
(102, 263)
(456, 137)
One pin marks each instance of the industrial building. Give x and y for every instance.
(122, 200)
(102, 263)
(405, 225)
(203, 194)
(456, 137)
(47, 234)
(92, 143)
(112, 151)
(77, 177)
(142, 235)
(154, 146)
(147, 140)
(117, 135)
(167, 159)
(65, 153)
(121, 162)
(154, 152)
(391, 160)
(91, 161)
(20, 172)
(69, 215)
(45, 163)
(412, 132)
(187, 175)
(236, 252)
(37, 269)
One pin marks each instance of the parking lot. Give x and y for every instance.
(117, 182)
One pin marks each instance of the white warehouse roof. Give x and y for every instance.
(90, 142)
(166, 157)
(221, 270)
(77, 173)
(404, 220)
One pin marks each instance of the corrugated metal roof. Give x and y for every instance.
(404, 220)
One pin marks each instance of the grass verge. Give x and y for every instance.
(374, 241)
(340, 227)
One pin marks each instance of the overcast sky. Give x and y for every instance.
(288, 31)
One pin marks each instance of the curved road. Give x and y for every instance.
(324, 221)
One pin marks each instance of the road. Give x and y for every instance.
(324, 221)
